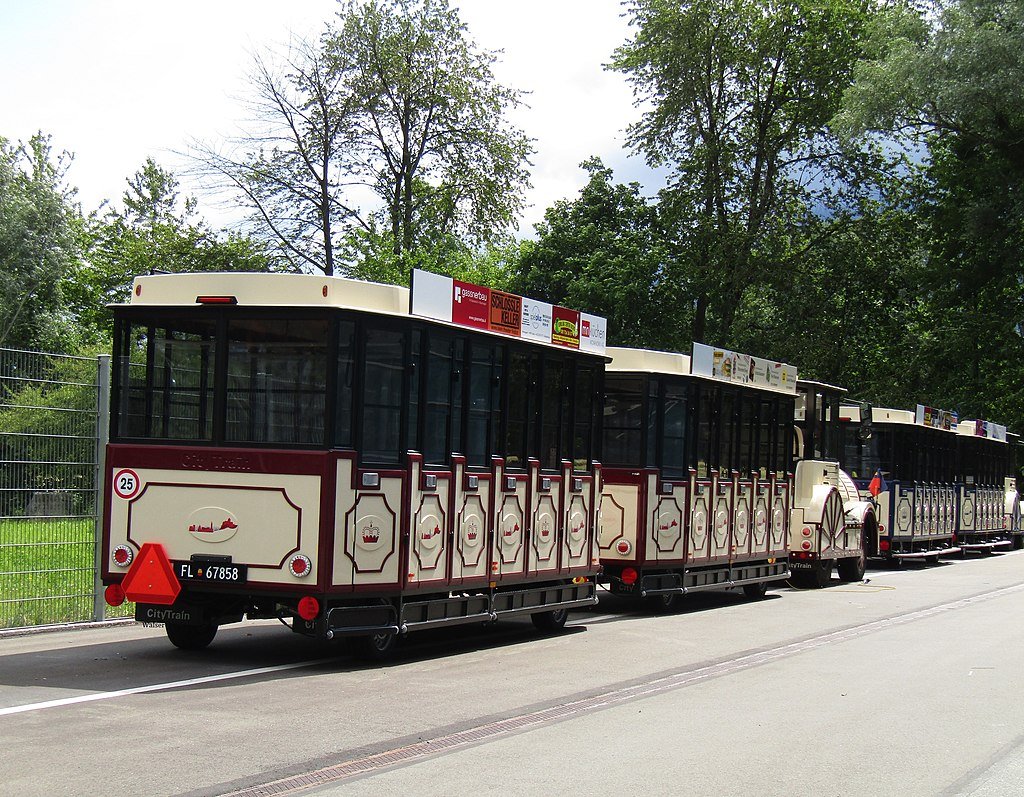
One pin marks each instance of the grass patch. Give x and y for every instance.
(46, 572)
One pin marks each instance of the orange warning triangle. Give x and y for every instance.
(151, 578)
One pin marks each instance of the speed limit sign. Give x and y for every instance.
(126, 483)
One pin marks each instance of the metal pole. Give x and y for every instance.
(99, 608)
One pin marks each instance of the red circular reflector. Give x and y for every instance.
(807, 532)
(113, 595)
(300, 565)
(309, 608)
(883, 545)
(122, 556)
(623, 547)
(806, 545)
(629, 575)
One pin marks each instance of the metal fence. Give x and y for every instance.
(53, 411)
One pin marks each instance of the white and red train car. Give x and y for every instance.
(697, 477)
(940, 485)
(352, 458)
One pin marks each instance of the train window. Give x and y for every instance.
(583, 424)
(520, 383)
(727, 433)
(706, 422)
(414, 407)
(623, 421)
(764, 457)
(673, 439)
(784, 435)
(346, 375)
(651, 425)
(482, 404)
(383, 376)
(551, 408)
(439, 412)
(276, 381)
(745, 434)
(167, 378)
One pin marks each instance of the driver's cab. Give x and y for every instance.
(816, 422)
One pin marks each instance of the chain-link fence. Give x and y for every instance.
(53, 411)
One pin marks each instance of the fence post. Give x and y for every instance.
(99, 606)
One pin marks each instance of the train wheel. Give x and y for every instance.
(662, 604)
(756, 591)
(551, 620)
(374, 647)
(1018, 542)
(852, 568)
(190, 637)
(820, 575)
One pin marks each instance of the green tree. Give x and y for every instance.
(388, 132)
(948, 79)
(293, 167)
(433, 142)
(739, 94)
(157, 231)
(606, 252)
(40, 228)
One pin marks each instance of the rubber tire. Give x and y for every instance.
(551, 620)
(374, 647)
(852, 568)
(190, 637)
(663, 604)
(1018, 542)
(755, 592)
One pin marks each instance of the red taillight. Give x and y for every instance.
(623, 547)
(883, 545)
(309, 608)
(300, 565)
(113, 595)
(806, 545)
(629, 575)
(807, 532)
(216, 300)
(122, 555)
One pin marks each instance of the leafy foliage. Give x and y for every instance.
(607, 252)
(39, 245)
(156, 232)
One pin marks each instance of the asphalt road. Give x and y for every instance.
(907, 684)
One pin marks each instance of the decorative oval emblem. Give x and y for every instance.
(213, 524)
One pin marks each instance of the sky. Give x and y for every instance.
(116, 81)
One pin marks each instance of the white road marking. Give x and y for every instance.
(137, 690)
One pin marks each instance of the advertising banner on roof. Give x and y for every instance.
(993, 431)
(536, 320)
(471, 305)
(593, 333)
(937, 419)
(742, 369)
(456, 302)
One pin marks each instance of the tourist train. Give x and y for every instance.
(363, 460)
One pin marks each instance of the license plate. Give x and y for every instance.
(211, 572)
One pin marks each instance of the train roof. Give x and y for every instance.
(890, 415)
(670, 363)
(299, 291)
(822, 385)
(271, 290)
